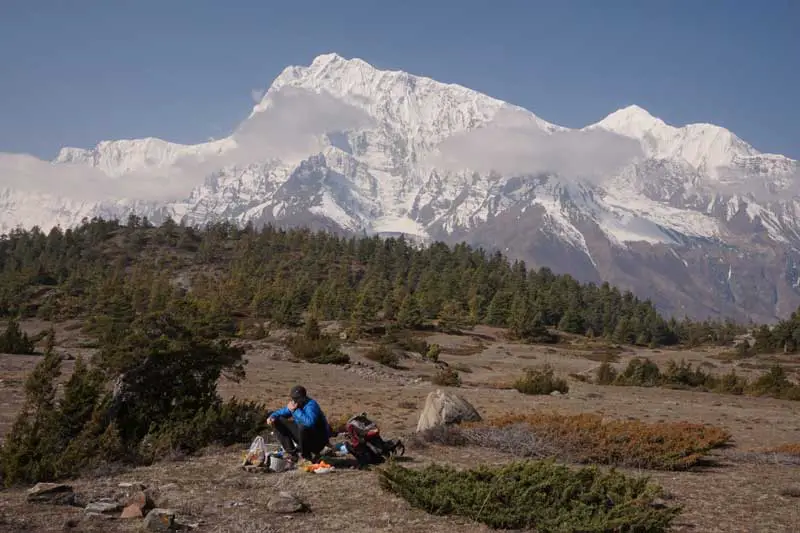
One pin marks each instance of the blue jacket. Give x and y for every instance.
(308, 416)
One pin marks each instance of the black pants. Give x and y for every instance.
(297, 439)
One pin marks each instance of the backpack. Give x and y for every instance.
(364, 442)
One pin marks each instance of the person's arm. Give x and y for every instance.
(283, 412)
(308, 415)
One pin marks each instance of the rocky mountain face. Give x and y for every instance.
(692, 217)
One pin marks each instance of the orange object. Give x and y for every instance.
(319, 466)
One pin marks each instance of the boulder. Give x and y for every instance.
(443, 408)
(51, 493)
(285, 503)
(159, 520)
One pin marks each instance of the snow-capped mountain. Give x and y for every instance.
(691, 216)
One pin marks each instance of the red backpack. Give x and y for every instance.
(366, 444)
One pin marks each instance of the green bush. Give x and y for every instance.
(383, 355)
(606, 374)
(224, 424)
(433, 353)
(15, 341)
(641, 373)
(151, 392)
(541, 381)
(534, 494)
(406, 341)
(446, 377)
(321, 350)
(682, 375)
(773, 384)
(731, 383)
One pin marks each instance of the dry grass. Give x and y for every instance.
(464, 349)
(743, 495)
(787, 449)
(589, 439)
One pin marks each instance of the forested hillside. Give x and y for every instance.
(236, 278)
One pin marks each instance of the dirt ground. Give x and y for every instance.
(211, 491)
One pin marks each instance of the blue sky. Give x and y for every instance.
(77, 72)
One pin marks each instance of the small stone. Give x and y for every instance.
(141, 499)
(102, 507)
(100, 516)
(51, 493)
(159, 520)
(132, 511)
(555, 393)
(133, 485)
(137, 505)
(285, 503)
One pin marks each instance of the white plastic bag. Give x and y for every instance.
(257, 454)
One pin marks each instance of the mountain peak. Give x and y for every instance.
(632, 120)
(326, 59)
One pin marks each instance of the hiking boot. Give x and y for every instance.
(292, 457)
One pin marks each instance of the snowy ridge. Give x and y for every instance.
(387, 152)
(117, 158)
(382, 178)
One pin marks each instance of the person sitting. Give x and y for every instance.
(307, 432)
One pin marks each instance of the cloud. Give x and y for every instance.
(514, 144)
(257, 95)
(25, 173)
(291, 126)
(770, 188)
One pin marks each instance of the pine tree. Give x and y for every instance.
(363, 311)
(451, 317)
(622, 332)
(311, 330)
(525, 322)
(410, 314)
(499, 308)
(572, 322)
(81, 394)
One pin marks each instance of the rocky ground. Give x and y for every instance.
(212, 493)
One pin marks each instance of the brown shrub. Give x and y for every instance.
(791, 492)
(587, 438)
(787, 449)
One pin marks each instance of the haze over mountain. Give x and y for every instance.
(693, 217)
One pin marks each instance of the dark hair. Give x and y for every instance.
(298, 393)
